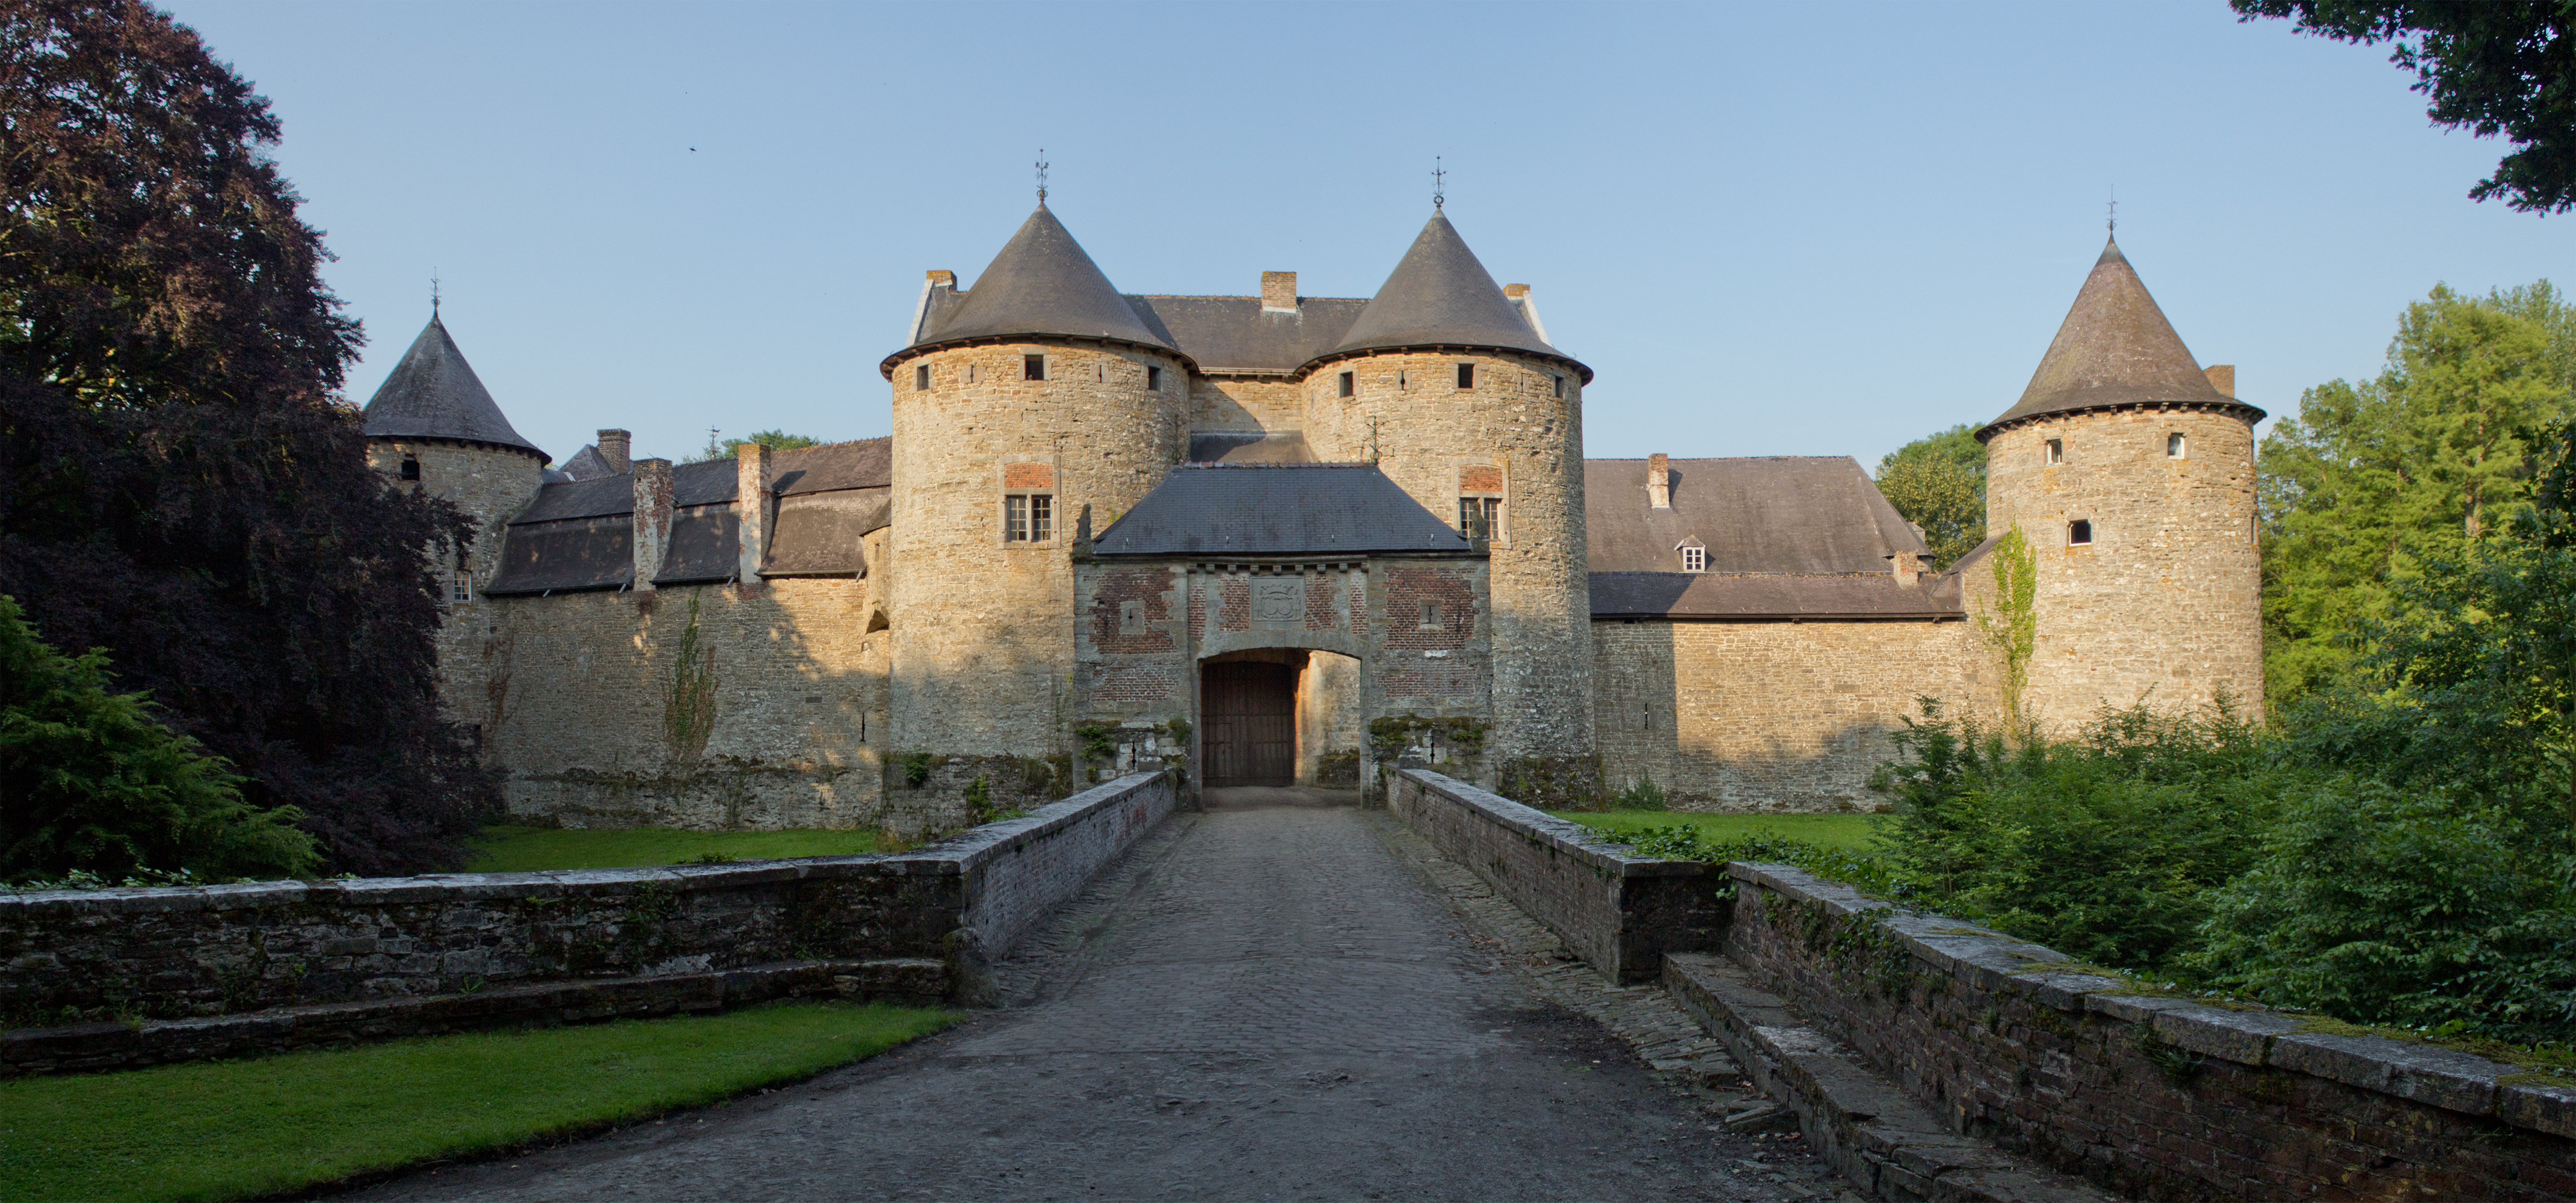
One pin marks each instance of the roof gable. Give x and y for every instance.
(434, 394)
(2114, 348)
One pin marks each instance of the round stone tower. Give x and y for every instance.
(1449, 385)
(1019, 404)
(2130, 471)
(432, 425)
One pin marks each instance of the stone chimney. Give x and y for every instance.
(1659, 481)
(1907, 566)
(751, 504)
(941, 278)
(616, 446)
(2222, 376)
(1279, 292)
(652, 514)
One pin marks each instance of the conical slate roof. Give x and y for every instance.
(1042, 283)
(434, 394)
(2115, 348)
(1440, 295)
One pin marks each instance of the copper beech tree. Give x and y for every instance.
(180, 482)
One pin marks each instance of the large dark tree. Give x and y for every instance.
(179, 481)
(2492, 66)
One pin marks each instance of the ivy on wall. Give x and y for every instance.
(689, 704)
(2012, 626)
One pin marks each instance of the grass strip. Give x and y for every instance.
(1852, 832)
(503, 849)
(230, 1129)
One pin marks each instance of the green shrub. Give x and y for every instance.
(1682, 841)
(97, 785)
(2104, 846)
(1641, 794)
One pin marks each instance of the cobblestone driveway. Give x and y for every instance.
(1270, 1000)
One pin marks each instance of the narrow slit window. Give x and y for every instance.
(1100, 373)
(1033, 367)
(1430, 614)
(1348, 386)
(2175, 446)
(1400, 383)
(1154, 378)
(1694, 559)
(921, 378)
(970, 373)
(411, 467)
(2079, 533)
(1466, 375)
(1557, 388)
(2055, 452)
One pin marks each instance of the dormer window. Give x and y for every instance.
(1694, 558)
(2054, 452)
(2175, 446)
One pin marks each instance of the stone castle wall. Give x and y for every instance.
(1246, 403)
(1769, 716)
(492, 485)
(983, 638)
(1525, 418)
(2165, 604)
(579, 698)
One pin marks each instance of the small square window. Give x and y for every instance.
(1154, 378)
(921, 378)
(2079, 533)
(1694, 558)
(411, 467)
(2054, 452)
(1348, 385)
(2174, 445)
(1557, 388)
(1033, 367)
(1466, 375)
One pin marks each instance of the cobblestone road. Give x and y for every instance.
(1275, 999)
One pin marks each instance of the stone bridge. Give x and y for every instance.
(1282, 994)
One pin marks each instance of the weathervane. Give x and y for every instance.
(2115, 210)
(1439, 183)
(433, 292)
(1042, 168)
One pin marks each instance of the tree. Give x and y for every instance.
(2494, 66)
(179, 481)
(1939, 483)
(775, 440)
(96, 784)
(2429, 460)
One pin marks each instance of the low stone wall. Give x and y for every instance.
(1620, 913)
(2155, 1097)
(140, 975)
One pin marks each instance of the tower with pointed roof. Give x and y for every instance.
(433, 426)
(1040, 388)
(2130, 471)
(1447, 383)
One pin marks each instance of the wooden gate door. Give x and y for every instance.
(1251, 715)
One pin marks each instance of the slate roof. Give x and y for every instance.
(1763, 514)
(2114, 348)
(1235, 334)
(1441, 295)
(1277, 509)
(1771, 596)
(580, 534)
(434, 394)
(587, 464)
(1042, 283)
(1250, 447)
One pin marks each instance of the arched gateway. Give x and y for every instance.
(1291, 604)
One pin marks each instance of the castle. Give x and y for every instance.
(1282, 538)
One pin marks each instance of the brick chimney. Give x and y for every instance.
(1279, 292)
(652, 515)
(2222, 376)
(1659, 481)
(751, 504)
(615, 446)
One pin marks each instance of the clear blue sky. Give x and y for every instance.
(1772, 229)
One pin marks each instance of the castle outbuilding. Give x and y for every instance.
(1278, 538)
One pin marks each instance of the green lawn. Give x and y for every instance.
(531, 849)
(229, 1129)
(1856, 832)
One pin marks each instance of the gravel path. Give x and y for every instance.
(1275, 999)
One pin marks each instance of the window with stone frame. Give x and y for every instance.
(1466, 375)
(1153, 378)
(1033, 367)
(1028, 503)
(1480, 501)
(2053, 452)
(921, 378)
(1348, 385)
